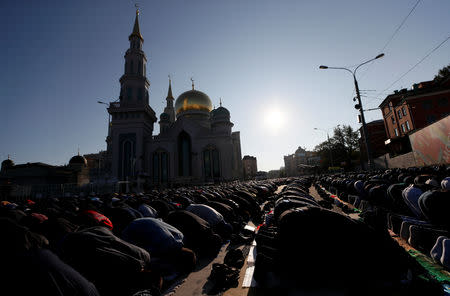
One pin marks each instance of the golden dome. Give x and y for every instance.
(193, 100)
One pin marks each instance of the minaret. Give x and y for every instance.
(169, 108)
(132, 117)
(134, 83)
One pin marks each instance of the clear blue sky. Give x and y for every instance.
(262, 57)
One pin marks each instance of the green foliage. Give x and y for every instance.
(344, 148)
(442, 74)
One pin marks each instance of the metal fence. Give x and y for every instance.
(22, 192)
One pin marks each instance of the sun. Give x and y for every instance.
(274, 118)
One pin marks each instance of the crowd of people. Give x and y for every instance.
(414, 203)
(309, 242)
(120, 244)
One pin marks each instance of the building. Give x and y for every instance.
(99, 166)
(38, 173)
(289, 165)
(300, 162)
(250, 166)
(272, 174)
(40, 177)
(196, 143)
(406, 111)
(377, 138)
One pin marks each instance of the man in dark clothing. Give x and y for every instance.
(324, 243)
(198, 234)
(29, 269)
(164, 242)
(214, 218)
(434, 205)
(108, 261)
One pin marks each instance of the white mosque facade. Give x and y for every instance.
(196, 143)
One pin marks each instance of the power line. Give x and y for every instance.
(421, 60)
(399, 27)
(390, 39)
(393, 35)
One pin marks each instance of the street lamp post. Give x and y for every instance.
(360, 106)
(329, 145)
(109, 115)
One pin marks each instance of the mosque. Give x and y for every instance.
(196, 144)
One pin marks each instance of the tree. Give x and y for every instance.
(346, 138)
(344, 147)
(442, 74)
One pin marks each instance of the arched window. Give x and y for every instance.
(164, 167)
(128, 159)
(211, 162)
(160, 166)
(184, 155)
(129, 93)
(155, 168)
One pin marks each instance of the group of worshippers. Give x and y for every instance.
(414, 203)
(305, 243)
(119, 244)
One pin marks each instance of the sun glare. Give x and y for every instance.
(274, 118)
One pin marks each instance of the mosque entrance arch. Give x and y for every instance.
(184, 155)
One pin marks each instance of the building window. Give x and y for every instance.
(156, 166)
(160, 167)
(131, 67)
(407, 125)
(399, 112)
(140, 94)
(184, 155)
(404, 111)
(211, 162)
(427, 105)
(396, 132)
(128, 160)
(140, 68)
(403, 128)
(431, 118)
(443, 102)
(393, 119)
(129, 93)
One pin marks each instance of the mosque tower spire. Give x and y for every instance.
(132, 118)
(169, 92)
(169, 108)
(136, 31)
(134, 83)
